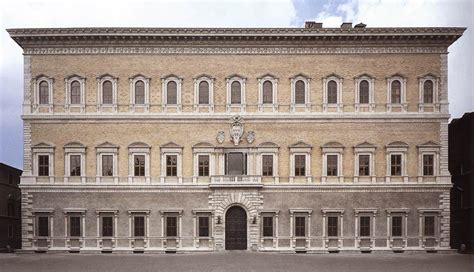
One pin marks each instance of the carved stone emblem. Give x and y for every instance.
(220, 137)
(250, 136)
(236, 129)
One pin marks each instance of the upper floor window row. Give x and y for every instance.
(364, 87)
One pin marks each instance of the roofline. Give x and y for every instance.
(11, 167)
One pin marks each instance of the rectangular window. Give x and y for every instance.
(107, 226)
(396, 165)
(75, 165)
(428, 165)
(171, 165)
(397, 226)
(107, 165)
(139, 165)
(171, 226)
(267, 165)
(139, 226)
(268, 226)
(203, 161)
(332, 165)
(364, 165)
(300, 226)
(74, 226)
(43, 165)
(204, 226)
(43, 226)
(364, 226)
(429, 226)
(300, 165)
(333, 226)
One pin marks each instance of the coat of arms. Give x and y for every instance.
(236, 129)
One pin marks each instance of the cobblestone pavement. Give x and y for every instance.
(238, 261)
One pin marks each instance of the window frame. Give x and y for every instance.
(107, 148)
(36, 93)
(396, 148)
(262, 105)
(210, 81)
(243, 104)
(204, 174)
(371, 104)
(403, 213)
(435, 105)
(49, 214)
(68, 93)
(274, 229)
(76, 213)
(339, 214)
(331, 149)
(171, 149)
(146, 92)
(164, 87)
(139, 149)
(100, 84)
(403, 102)
(339, 102)
(433, 149)
(43, 149)
(295, 213)
(74, 149)
(271, 172)
(202, 213)
(306, 80)
(145, 214)
(423, 213)
(300, 148)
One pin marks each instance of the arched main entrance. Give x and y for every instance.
(235, 228)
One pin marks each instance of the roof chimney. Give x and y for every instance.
(312, 24)
(360, 25)
(346, 25)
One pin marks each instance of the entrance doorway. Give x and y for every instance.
(236, 229)
(236, 164)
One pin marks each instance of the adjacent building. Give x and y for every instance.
(461, 166)
(10, 208)
(266, 139)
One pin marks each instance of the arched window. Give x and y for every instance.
(267, 92)
(364, 92)
(44, 92)
(140, 92)
(300, 96)
(107, 92)
(428, 92)
(172, 93)
(235, 93)
(396, 92)
(332, 92)
(203, 92)
(75, 92)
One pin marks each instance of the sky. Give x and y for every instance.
(223, 13)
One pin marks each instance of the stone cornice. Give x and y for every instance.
(156, 40)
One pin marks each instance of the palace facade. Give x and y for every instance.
(266, 139)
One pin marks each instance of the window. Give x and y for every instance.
(172, 93)
(332, 161)
(428, 165)
(75, 165)
(75, 92)
(300, 165)
(140, 92)
(139, 165)
(43, 93)
(364, 226)
(300, 226)
(107, 226)
(171, 226)
(429, 228)
(267, 226)
(203, 92)
(364, 92)
(74, 226)
(267, 165)
(333, 226)
(107, 165)
(107, 92)
(396, 165)
(43, 165)
(235, 93)
(396, 92)
(364, 165)
(171, 165)
(203, 226)
(139, 226)
(203, 165)
(396, 226)
(43, 226)
(428, 92)
(267, 92)
(332, 92)
(300, 92)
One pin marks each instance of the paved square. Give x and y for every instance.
(237, 261)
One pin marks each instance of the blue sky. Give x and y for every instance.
(223, 13)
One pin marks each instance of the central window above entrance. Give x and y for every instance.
(235, 164)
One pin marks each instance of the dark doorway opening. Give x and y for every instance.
(236, 229)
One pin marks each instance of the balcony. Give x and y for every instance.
(236, 181)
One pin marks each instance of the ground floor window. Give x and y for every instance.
(107, 226)
(43, 226)
(300, 226)
(397, 226)
(333, 226)
(267, 226)
(74, 226)
(364, 226)
(429, 225)
(139, 226)
(171, 226)
(203, 226)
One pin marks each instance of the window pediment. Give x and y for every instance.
(397, 75)
(107, 145)
(236, 76)
(300, 75)
(43, 77)
(429, 144)
(74, 145)
(398, 144)
(204, 76)
(333, 75)
(139, 76)
(429, 75)
(365, 75)
(171, 145)
(75, 76)
(138, 145)
(43, 145)
(365, 145)
(332, 144)
(171, 77)
(300, 144)
(267, 144)
(203, 144)
(268, 76)
(106, 76)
